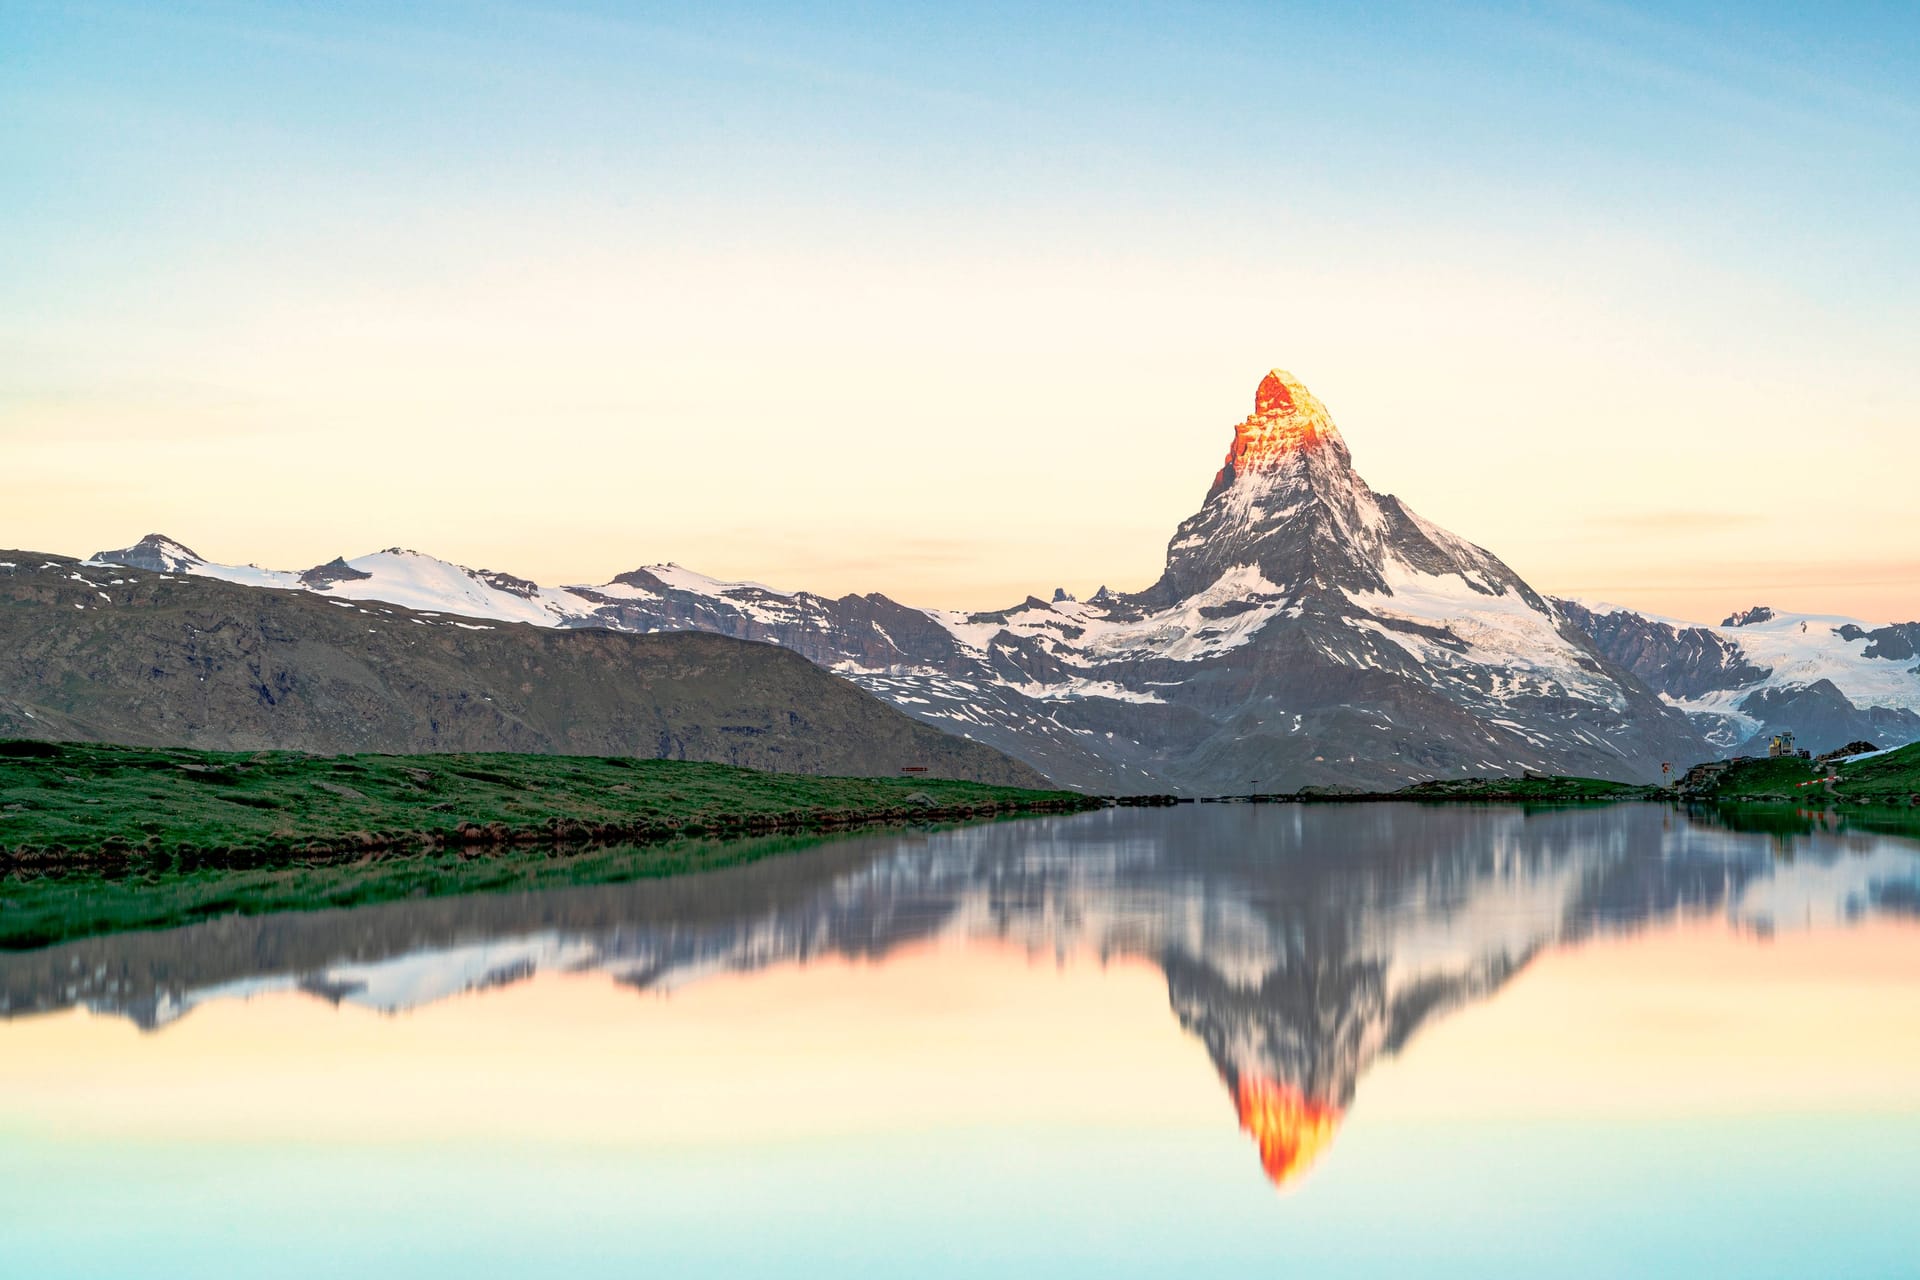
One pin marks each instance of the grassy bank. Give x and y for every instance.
(1527, 789)
(100, 839)
(1530, 789)
(1892, 778)
(70, 805)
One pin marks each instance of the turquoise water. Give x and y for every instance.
(1374, 962)
(1752, 1198)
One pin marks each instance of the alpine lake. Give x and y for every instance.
(1330, 1040)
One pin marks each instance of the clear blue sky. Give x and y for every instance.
(952, 246)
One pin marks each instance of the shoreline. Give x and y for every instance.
(91, 807)
(555, 834)
(46, 905)
(105, 839)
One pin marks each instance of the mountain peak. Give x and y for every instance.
(1289, 502)
(156, 552)
(1275, 392)
(1286, 421)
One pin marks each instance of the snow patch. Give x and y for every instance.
(1520, 646)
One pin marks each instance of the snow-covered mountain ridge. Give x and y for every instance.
(1829, 679)
(1306, 630)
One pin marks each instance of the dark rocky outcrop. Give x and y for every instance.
(321, 575)
(1820, 717)
(157, 552)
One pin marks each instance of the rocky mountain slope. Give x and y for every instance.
(1830, 680)
(1306, 630)
(165, 659)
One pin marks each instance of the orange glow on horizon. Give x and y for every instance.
(1291, 1129)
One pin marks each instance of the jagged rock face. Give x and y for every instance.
(1764, 671)
(1306, 630)
(1681, 662)
(323, 575)
(1289, 502)
(1897, 643)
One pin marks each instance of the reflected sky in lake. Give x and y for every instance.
(1363, 1040)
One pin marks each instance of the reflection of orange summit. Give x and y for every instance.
(1286, 419)
(1290, 1128)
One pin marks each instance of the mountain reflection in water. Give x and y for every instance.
(1299, 943)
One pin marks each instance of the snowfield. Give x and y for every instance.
(1796, 650)
(1500, 632)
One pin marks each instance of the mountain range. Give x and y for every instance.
(1829, 680)
(1306, 630)
(91, 653)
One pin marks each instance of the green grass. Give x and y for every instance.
(100, 839)
(64, 803)
(1534, 789)
(1891, 778)
(1763, 777)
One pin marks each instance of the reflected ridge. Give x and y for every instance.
(1299, 943)
(1290, 1128)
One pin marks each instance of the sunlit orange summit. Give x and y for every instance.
(1286, 419)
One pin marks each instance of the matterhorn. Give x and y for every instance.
(1306, 631)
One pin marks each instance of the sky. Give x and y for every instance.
(960, 303)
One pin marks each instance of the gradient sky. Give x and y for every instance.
(962, 303)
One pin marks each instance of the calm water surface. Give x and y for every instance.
(1357, 1040)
